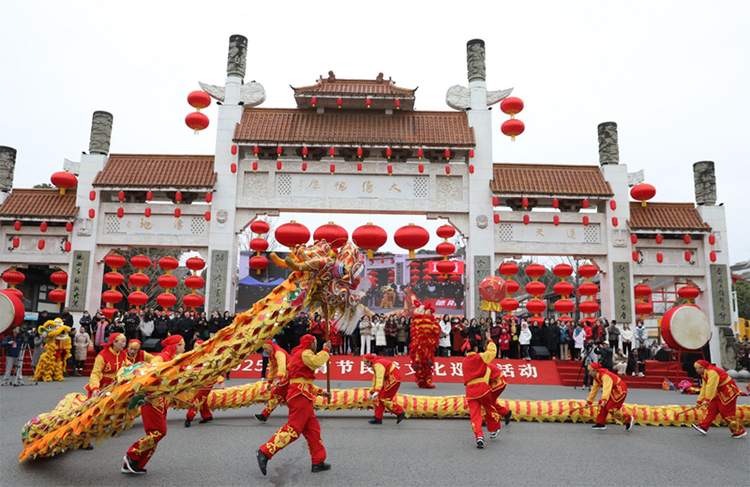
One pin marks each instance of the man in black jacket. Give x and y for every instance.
(301, 325)
(131, 320)
(161, 325)
(605, 355)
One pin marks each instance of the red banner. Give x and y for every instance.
(347, 367)
(441, 302)
(458, 267)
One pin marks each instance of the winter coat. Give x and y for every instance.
(627, 335)
(525, 336)
(563, 334)
(641, 336)
(579, 337)
(614, 335)
(401, 332)
(378, 329)
(445, 334)
(82, 344)
(365, 328)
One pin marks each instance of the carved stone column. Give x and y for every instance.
(704, 176)
(7, 167)
(475, 60)
(609, 151)
(237, 57)
(101, 133)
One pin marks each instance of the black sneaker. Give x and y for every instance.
(206, 420)
(261, 418)
(493, 434)
(187, 422)
(321, 467)
(480, 442)
(630, 424)
(700, 430)
(88, 447)
(598, 426)
(262, 461)
(376, 421)
(130, 466)
(507, 418)
(400, 417)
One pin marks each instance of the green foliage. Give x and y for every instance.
(43, 186)
(742, 288)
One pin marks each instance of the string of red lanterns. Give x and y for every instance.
(564, 306)
(642, 307)
(259, 244)
(167, 281)
(112, 279)
(512, 127)
(535, 288)
(588, 289)
(194, 282)
(139, 280)
(197, 120)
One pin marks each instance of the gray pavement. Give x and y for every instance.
(432, 452)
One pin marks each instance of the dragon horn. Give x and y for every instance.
(279, 261)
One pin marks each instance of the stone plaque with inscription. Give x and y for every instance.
(721, 295)
(79, 278)
(218, 290)
(621, 282)
(482, 269)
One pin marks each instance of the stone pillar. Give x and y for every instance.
(475, 60)
(609, 151)
(237, 57)
(7, 166)
(101, 133)
(704, 176)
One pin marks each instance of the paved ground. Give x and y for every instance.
(416, 452)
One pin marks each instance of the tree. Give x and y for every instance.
(43, 186)
(742, 288)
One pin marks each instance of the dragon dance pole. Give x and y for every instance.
(328, 337)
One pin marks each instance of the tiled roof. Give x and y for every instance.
(354, 87)
(157, 171)
(676, 217)
(355, 127)
(547, 179)
(39, 204)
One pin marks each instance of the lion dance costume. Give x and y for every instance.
(57, 351)
(389, 298)
(425, 334)
(720, 393)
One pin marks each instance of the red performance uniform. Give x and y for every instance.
(277, 370)
(300, 399)
(476, 379)
(497, 386)
(140, 356)
(385, 381)
(154, 414)
(106, 366)
(720, 392)
(200, 400)
(614, 392)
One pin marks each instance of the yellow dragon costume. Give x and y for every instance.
(57, 345)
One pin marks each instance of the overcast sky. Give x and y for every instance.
(674, 75)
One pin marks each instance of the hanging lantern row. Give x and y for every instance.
(58, 295)
(536, 289)
(445, 249)
(588, 289)
(138, 281)
(642, 306)
(167, 281)
(509, 269)
(197, 120)
(563, 288)
(194, 282)
(512, 127)
(259, 244)
(112, 279)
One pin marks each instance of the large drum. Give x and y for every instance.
(686, 328)
(11, 311)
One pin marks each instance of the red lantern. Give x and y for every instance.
(659, 257)
(536, 288)
(512, 287)
(233, 167)
(509, 305)
(149, 195)
(687, 239)
(233, 150)
(588, 289)
(196, 121)
(109, 313)
(60, 278)
(641, 291)
(279, 151)
(64, 180)
(447, 154)
(535, 270)
(555, 203)
(113, 279)
(43, 227)
(339, 102)
(13, 277)
(167, 281)
(471, 153)
(137, 299)
(304, 167)
(643, 192)
(390, 170)
(564, 306)
(92, 195)
(398, 104)
(496, 218)
(526, 219)
(391, 272)
(585, 221)
(563, 288)
(121, 196)
(207, 216)
(585, 203)
(588, 307)
(120, 212)
(368, 102)
(688, 292)
(305, 151)
(259, 245)
(613, 205)
(659, 239)
(57, 296)
(260, 227)
(712, 239)
(115, 261)
(688, 255)
(255, 166)
(17, 226)
(446, 231)
(139, 280)
(359, 152)
(411, 237)
(147, 212)
(194, 282)
(445, 249)
(454, 278)
(427, 278)
(513, 128)
(369, 237)
(169, 263)
(635, 256)
(178, 196)
(562, 270)
(256, 150)
(421, 168)
(193, 300)
(313, 101)
(536, 306)
(332, 151)
(177, 212)
(420, 153)
(509, 268)
(199, 100)
(40, 245)
(615, 221)
(587, 271)
(359, 167)
(471, 168)
(278, 165)
(258, 262)
(166, 300)
(68, 246)
(511, 106)
(111, 296)
(292, 234)
(525, 202)
(335, 235)
(447, 170)
(332, 168)
(17, 242)
(388, 152)
(633, 239)
(712, 256)
(644, 308)
(69, 227)
(556, 220)
(195, 264)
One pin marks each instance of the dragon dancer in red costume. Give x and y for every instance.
(385, 383)
(154, 414)
(477, 381)
(425, 335)
(614, 392)
(302, 419)
(719, 392)
(109, 361)
(278, 360)
(200, 399)
(497, 386)
(135, 354)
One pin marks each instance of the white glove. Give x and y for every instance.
(373, 396)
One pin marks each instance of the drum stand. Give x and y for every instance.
(676, 357)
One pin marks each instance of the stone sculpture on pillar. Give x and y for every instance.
(459, 97)
(609, 151)
(101, 133)
(251, 94)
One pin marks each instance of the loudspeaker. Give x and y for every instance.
(151, 345)
(539, 353)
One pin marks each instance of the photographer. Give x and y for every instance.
(589, 357)
(12, 346)
(605, 355)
